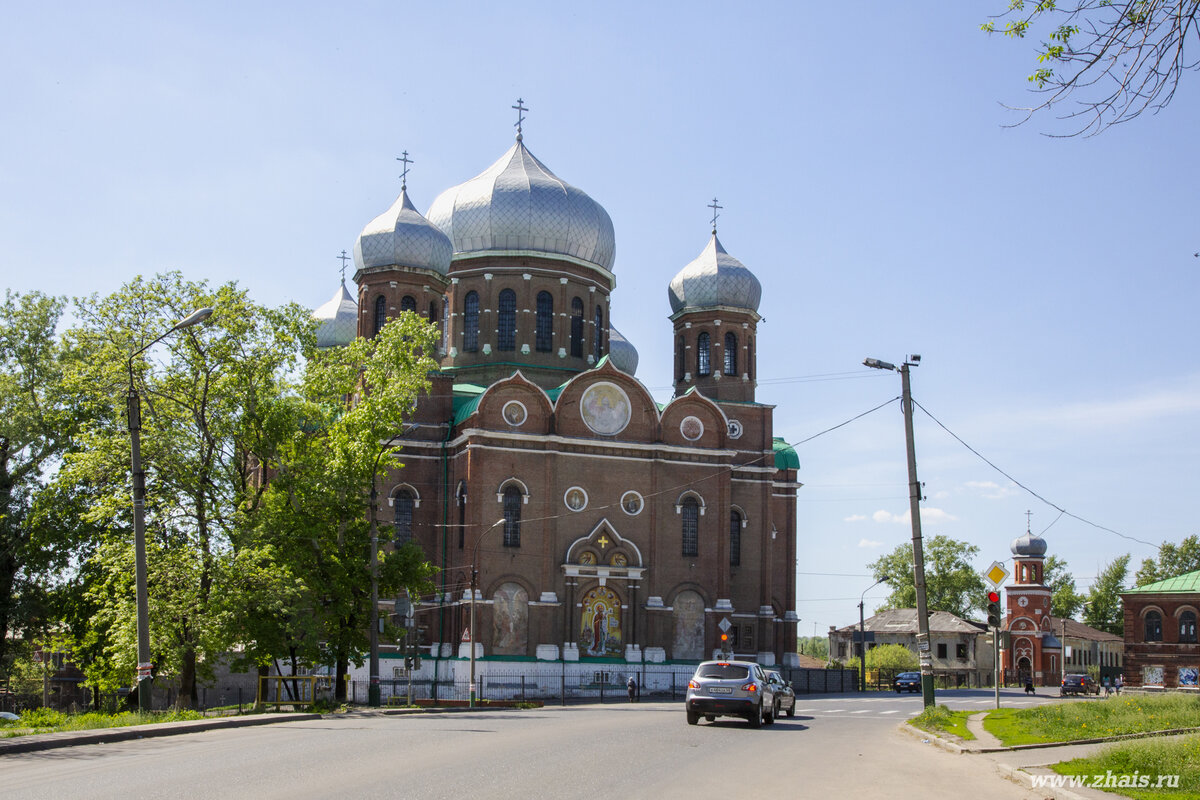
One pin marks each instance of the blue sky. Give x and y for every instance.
(866, 177)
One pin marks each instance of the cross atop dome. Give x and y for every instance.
(713, 205)
(344, 258)
(520, 109)
(404, 175)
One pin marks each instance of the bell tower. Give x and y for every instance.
(1034, 651)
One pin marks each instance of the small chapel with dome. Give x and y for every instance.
(607, 527)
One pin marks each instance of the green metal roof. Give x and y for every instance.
(1188, 583)
(785, 455)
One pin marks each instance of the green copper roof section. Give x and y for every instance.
(785, 455)
(1188, 583)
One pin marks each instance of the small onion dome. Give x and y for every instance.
(715, 278)
(338, 320)
(623, 355)
(519, 204)
(1029, 545)
(401, 237)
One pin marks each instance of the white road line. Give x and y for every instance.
(893, 711)
(862, 711)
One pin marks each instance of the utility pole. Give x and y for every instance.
(914, 504)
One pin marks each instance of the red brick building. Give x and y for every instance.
(1161, 648)
(1035, 653)
(607, 525)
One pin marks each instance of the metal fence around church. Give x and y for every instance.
(603, 684)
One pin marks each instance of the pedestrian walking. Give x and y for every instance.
(1120, 682)
(631, 687)
(1107, 686)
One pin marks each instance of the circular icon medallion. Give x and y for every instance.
(1023, 601)
(735, 429)
(576, 498)
(605, 408)
(514, 413)
(587, 558)
(691, 428)
(631, 503)
(619, 560)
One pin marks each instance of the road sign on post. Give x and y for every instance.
(996, 574)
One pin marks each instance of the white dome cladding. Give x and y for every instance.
(624, 356)
(715, 278)
(338, 320)
(401, 237)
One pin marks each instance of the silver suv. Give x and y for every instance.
(730, 689)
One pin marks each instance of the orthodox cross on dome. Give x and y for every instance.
(344, 258)
(521, 108)
(404, 175)
(715, 209)
(1028, 521)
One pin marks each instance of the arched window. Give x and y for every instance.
(1153, 626)
(730, 354)
(462, 514)
(403, 504)
(507, 327)
(407, 303)
(735, 538)
(577, 328)
(703, 360)
(1187, 627)
(471, 323)
(544, 338)
(380, 314)
(680, 363)
(599, 338)
(512, 517)
(690, 525)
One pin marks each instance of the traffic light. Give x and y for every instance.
(724, 642)
(993, 609)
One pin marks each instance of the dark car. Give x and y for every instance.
(1078, 684)
(785, 697)
(730, 689)
(907, 682)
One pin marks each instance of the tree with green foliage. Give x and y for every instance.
(37, 424)
(1104, 610)
(892, 656)
(1173, 560)
(951, 581)
(1065, 600)
(1116, 58)
(813, 646)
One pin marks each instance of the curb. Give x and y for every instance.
(53, 741)
(1019, 775)
(932, 738)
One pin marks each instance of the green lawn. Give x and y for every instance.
(42, 720)
(1143, 761)
(1090, 719)
(939, 719)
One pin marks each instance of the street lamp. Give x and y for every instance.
(134, 419)
(474, 588)
(914, 504)
(862, 638)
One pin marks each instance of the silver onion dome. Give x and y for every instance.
(1028, 545)
(624, 356)
(401, 237)
(338, 320)
(715, 278)
(519, 204)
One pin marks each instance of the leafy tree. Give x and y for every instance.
(1119, 57)
(1065, 600)
(951, 581)
(892, 656)
(36, 426)
(814, 646)
(1104, 611)
(1173, 560)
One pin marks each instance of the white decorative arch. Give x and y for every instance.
(604, 526)
(689, 493)
(411, 490)
(513, 481)
(741, 512)
(1152, 607)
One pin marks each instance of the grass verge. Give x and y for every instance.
(939, 719)
(1133, 768)
(1072, 720)
(44, 720)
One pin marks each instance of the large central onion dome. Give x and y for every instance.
(519, 204)
(401, 237)
(714, 279)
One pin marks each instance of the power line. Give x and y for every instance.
(847, 422)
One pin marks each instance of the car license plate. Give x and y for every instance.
(721, 690)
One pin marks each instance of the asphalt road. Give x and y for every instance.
(837, 745)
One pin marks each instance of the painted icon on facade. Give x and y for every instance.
(689, 626)
(600, 623)
(510, 620)
(605, 408)
(514, 413)
(1188, 676)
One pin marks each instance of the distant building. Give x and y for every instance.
(961, 650)
(1161, 649)
(1035, 653)
(1088, 646)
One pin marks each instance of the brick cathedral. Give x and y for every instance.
(608, 526)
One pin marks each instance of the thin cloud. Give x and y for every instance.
(870, 543)
(929, 515)
(990, 490)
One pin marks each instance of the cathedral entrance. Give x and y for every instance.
(600, 623)
(1024, 671)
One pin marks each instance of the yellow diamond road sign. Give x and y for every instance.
(996, 574)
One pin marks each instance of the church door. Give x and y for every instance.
(510, 620)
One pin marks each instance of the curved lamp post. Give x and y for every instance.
(474, 588)
(134, 419)
(862, 638)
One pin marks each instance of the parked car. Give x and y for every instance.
(1078, 684)
(785, 697)
(907, 682)
(730, 689)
